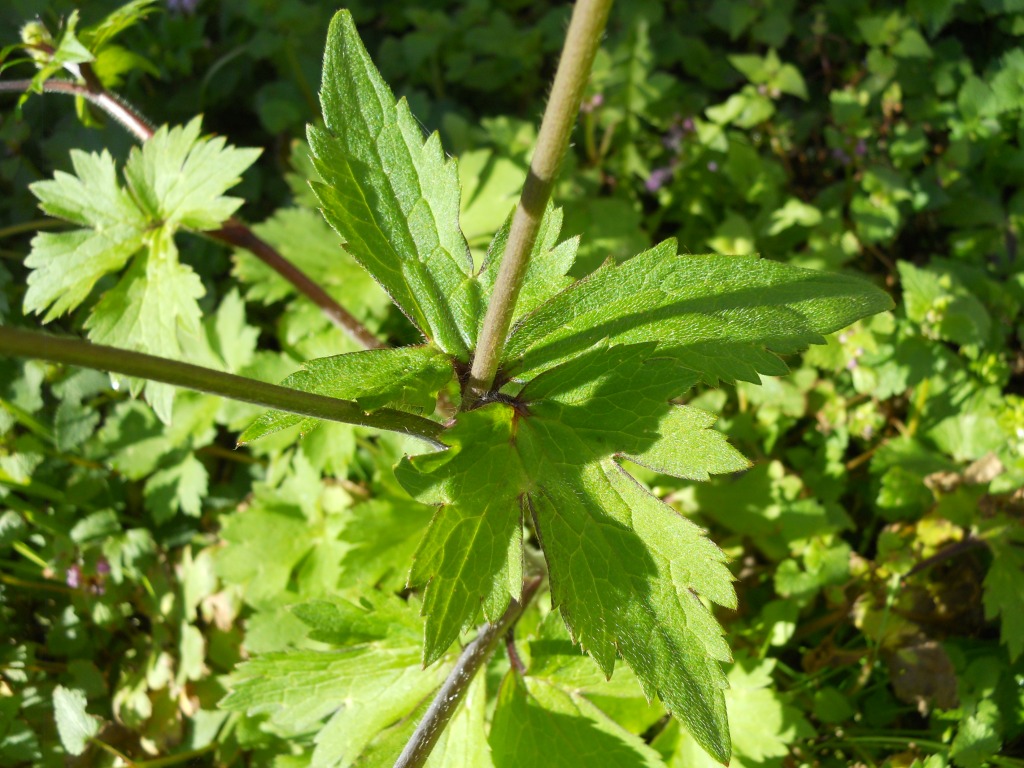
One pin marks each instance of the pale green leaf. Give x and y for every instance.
(392, 196)
(180, 487)
(463, 744)
(74, 725)
(722, 317)
(179, 178)
(66, 265)
(307, 241)
(348, 696)
(153, 309)
(381, 536)
(358, 691)
(407, 377)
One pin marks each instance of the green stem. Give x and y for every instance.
(581, 43)
(32, 344)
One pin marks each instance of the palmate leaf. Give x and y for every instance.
(392, 196)
(722, 317)
(625, 569)
(176, 179)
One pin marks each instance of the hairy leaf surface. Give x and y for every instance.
(722, 317)
(407, 377)
(393, 196)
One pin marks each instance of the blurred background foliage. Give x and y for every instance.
(877, 540)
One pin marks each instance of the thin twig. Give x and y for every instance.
(42, 346)
(451, 693)
(581, 43)
(234, 232)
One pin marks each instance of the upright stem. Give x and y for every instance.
(454, 688)
(41, 346)
(234, 232)
(581, 43)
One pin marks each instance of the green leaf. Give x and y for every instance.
(179, 487)
(392, 196)
(382, 535)
(627, 572)
(348, 695)
(472, 553)
(687, 447)
(153, 309)
(937, 299)
(464, 741)
(178, 178)
(770, 723)
(116, 22)
(540, 724)
(1004, 591)
(407, 377)
(66, 265)
(720, 317)
(307, 241)
(979, 736)
(74, 725)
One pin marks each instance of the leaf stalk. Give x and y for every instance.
(41, 346)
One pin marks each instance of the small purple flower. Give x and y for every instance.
(73, 576)
(861, 149)
(689, 126)
(851, 364)
(658, 178)
(102, 566)
(713, 166)
(595, 101)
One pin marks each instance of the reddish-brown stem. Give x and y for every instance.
(235, 233)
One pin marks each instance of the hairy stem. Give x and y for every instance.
(41, 346)
(581, 43)
(234, 232)
(454, 688)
